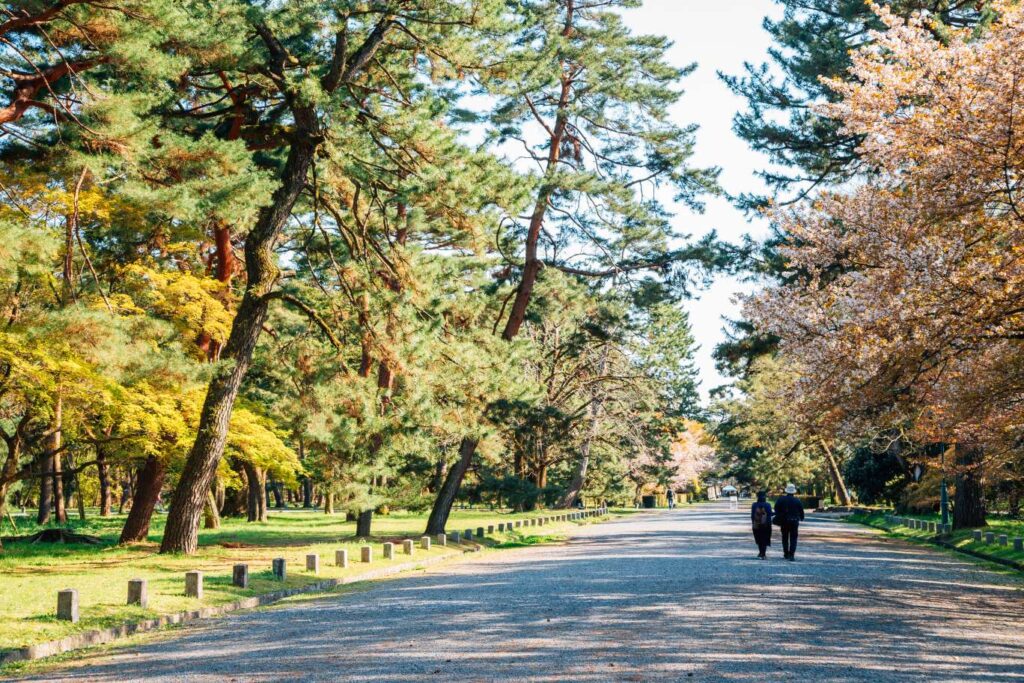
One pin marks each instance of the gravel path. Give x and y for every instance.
(669, 596)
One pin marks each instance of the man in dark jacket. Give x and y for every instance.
(789, 512)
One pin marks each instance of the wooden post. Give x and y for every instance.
(67, 605)
(194, 584)
(240, 575)
(341, 558)
(137, 594)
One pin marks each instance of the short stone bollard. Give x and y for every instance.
(279, 567)
(442, 540)
(67, 605)
(931, 527)
(313, 563)
(137, 594)
(533, 521)
(990, 537)
(480, 532)
(341, 558)
(468, 534)
(407, 546)
(455, 537)
(1003, 539)
(240, 575)
(490, 529)
(976, 535)
(194, 584)
(425, 542)
(389, 551)
(501, 527)
(1018, 544)
(366, 553)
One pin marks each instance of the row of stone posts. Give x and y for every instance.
(978, 536)
(67, 599)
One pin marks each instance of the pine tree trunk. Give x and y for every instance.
(211, 517)
(103, 474)
(307, 492)
(329, 503)
(45, 490)
(842, 493)
(182, 531)
(147, 492)
(450, 489)
(256, 479)
(363, 523)
(968, 502)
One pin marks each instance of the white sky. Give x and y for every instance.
(718, 36)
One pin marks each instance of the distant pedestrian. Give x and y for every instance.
(761, 521)
(789, 512)
(671, 499)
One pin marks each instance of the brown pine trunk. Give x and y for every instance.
(103, 474)
(45, 490)
(842, 493)
(211, 516)
(446, 496)
(55, 440)
(969, 501)
(329, 503)
(363, 523)
(147, 492)
(181, 533)
(256, 479)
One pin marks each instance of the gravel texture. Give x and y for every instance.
(669, 596)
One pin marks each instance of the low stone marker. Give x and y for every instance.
(931, 527)
(389, 551)
(455, 537)
(279, 567)
(479, 532)
(137, 594)
(341, 558)
(194, 584)
(366, 554)
(407, 545)
(501, 527)
(425, 542)
(67, 605)
(313, 563)
(533, 521)
(1003, 540)
(468, 534)
(976, 535)
(1018, 544)
(240, 575)
(442, 540)
(990, 537)
(490, 529)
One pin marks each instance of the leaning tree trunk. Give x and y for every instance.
(580, 476)
(211, 515)
(842, 493)
(147, 492)
(968, 502)
(446, 496)
(257, 484)
(182, 531)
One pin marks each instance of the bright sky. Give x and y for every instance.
(719, 36)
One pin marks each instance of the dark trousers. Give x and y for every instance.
(789, 534)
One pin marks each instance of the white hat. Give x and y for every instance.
(790, 488)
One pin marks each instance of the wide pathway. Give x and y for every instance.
(667, 596)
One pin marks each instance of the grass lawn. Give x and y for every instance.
(32, 574)
(962, 539)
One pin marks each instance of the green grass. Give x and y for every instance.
(32, 574)
(960, 539)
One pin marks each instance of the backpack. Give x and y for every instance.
(760, 518)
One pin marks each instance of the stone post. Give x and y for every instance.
(490, 529)
(976, 535)
(407, 546)
(137, 594)
(501, 527)
(280, 568)
(240, 575)
(313, 563)
(480, 532)
(442, 540)
(1003, 540)
(366, 553)
(468, 534)
(67, 605)
(455, 537)
(389, 551)
(425, 542)
(341, 558)
(1018, 544)
(990, 537)
(194, 584)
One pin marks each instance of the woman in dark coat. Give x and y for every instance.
(761, 521)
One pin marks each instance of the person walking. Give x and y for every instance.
(761, 521)
(789, 512)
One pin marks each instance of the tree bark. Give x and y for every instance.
(182, 531)
(969, 501)
(256, 478)
(446, 495)
(842, 493)
(147, 492)
(363, 523)
(211, 515)
(45, 490)
(103, 474)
